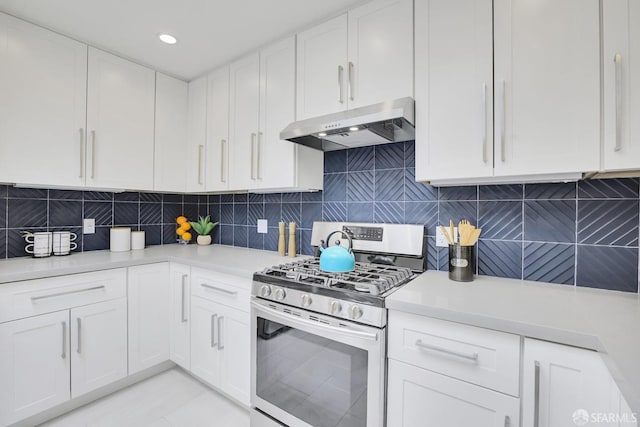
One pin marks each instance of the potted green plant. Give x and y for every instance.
(204, 227)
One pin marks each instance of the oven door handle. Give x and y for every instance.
(296, 321)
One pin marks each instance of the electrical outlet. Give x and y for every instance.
(89, 226)
(441, 241)
(262, 226)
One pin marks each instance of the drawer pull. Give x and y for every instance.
(215, 288)
(79, 349)
(184, 299)
(507, 421)
(64, 340)
(59, 294)
(536, 390)
(213, 330)
(472, 357)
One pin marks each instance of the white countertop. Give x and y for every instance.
(225, 259)
(606, 321)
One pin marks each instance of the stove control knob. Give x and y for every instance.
(306, 300)
(265, 291)
(355, 312)
(335, 307)
(280, 294)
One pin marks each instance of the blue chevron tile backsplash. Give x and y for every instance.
(581, 234)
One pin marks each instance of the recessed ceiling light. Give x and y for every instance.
(321, 134)
(354, 128)
(167, 38)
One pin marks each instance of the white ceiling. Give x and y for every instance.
(210, 32)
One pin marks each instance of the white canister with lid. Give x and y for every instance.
(120, 239)
(137, 240)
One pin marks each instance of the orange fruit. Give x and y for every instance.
(185, 226)
(179, 231)
(181, 220)
(186, 236)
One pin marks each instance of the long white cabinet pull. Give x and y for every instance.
(184, 299)
(472, 357)
(81, 153)
(64, 340)
(484, 122)
(253, 157)
(350, 88)
(200, 148)
(93, 154)
(60, 294)
(223, 174)
(503, 125)
(536, 397)
(340, 71)
(213, 330)
(617, 59)
(220, 335)
(215, 288)
(259, 156)
(507, 421)
(79, 349)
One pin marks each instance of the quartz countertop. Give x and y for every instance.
(605, 321)
(241, 262)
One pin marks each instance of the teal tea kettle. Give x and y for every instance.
(337, 259)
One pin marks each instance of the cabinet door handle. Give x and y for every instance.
(340, 72)
(223, 173)
(617, 58)
(253, 143)
(64, 340)
(81, 153)
(350, 87)
(503, 125)
(536, 397)
(507, 421)
(59, 294)
(215, 288)
(93, 154)
(213, 330)
(484, 122)
(259, 156)
(184, 299)
(220, 335)
(200, 148)
(472, 357)
(79, 349)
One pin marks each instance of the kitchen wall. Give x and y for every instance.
(583, 234)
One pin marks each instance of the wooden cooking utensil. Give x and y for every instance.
(445, 233)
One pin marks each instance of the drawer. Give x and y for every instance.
(222, 288)
(480, 356)
(33, 297)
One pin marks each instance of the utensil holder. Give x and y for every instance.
(461, 263)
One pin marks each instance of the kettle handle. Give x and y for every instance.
(344, 234)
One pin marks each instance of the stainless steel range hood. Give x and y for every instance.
(391, 121)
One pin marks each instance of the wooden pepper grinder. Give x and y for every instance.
(292, 239)
(281, 243)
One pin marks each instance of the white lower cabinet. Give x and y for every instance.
(148, 309)
(421, 398)
(179, 315)
(34, 365)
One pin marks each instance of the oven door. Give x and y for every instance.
(313, 370)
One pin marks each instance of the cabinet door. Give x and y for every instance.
(234, 344)
(420, 398)
(558, 381)
(148, 309)
(621, 21)
(244, 106)
(218, 130)
(197, 135)
(120, 122)
(180, 315)
(205, 355)
(170, 169)
(547, 86)
(380, 66)
(454, 89)
(322, 69)
(98, 345)
(43, 84)
(34, 365)
(277, 161)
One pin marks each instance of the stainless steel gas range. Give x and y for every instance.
(319, 339)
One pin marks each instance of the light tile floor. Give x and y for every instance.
(170, 399)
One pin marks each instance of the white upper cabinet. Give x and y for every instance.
(547, 86)
(120, 123)
(170, 171)
(217, 149)
(43, 84)
(380, 66)
(621, 21)
(197, 135)
(454, 89)
(360, 58)
(321, 68)
(244, 105)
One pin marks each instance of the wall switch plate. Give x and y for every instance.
(262, 226)
(441, 241)
(89, 226)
